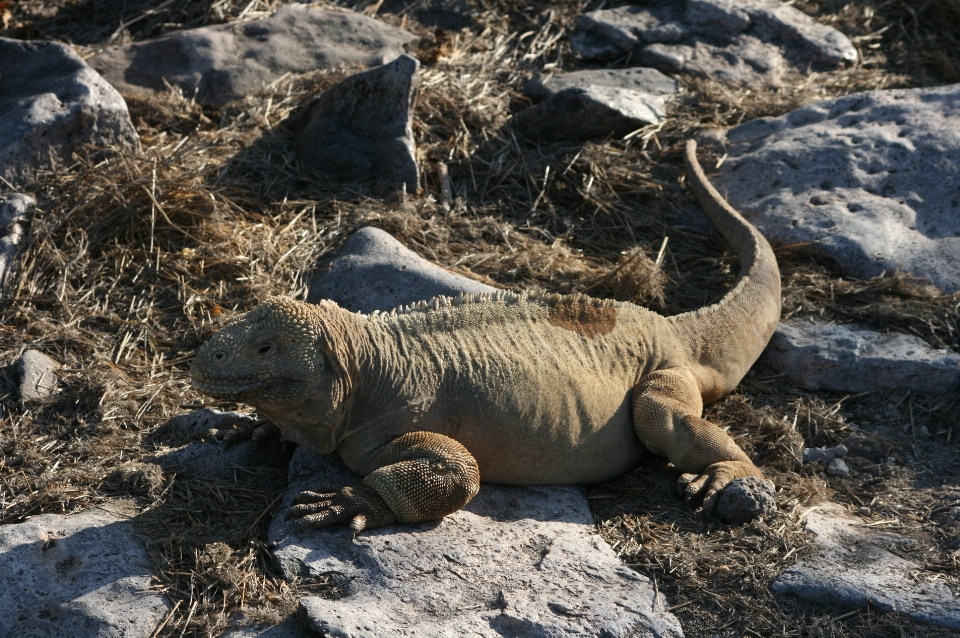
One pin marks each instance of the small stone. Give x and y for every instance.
(837, 467)
(38, 376)
(863, 511)
(820, 356)
(924, 430)
(374, 271)
(817, 455)
(589, 113)
(52, 103)
(360, 129)
(745, 499)
(217, 64)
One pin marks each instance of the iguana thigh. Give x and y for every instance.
(666, 409)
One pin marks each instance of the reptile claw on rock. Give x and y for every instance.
(515, 388)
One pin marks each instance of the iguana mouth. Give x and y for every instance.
(218, 387)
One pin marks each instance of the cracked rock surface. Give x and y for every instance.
(515, 561)
(747, 42)
(852, 567)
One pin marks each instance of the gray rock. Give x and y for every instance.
(820, 356)
(749, 42)
(866, 182)
(837, 467)
(590, 112)
(376, 272)
(851, 567)
(15, 210)
(52, 103)
(289, 628)
(745, 499)
(360, 129)
(81, 575)
(38, 376)
(640, 79)
(823, 455)
(221, 63)
(515, 561)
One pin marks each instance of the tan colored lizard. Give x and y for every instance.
(523, 389)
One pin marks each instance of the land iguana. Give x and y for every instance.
(516, 388)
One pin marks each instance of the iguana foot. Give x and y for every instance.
(713, 479)
(360, 504)
(247, 428)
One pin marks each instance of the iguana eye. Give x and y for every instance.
(265, 349)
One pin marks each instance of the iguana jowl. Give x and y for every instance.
(522, 389)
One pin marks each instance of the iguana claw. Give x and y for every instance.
(361, 505)
(249, 429)
(713, 480)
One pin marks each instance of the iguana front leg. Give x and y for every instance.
(420, 476)
(666, 417)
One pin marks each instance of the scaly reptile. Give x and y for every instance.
(522, 389)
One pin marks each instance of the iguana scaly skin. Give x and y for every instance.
(522, 389)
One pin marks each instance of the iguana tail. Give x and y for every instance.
(727, 337)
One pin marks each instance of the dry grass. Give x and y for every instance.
(133, 260)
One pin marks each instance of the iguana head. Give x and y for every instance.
(282, 358)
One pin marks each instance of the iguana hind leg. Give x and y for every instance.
(666, 417)
(420, 476)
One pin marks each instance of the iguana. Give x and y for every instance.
(522, 389)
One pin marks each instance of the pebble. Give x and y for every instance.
(837, 467)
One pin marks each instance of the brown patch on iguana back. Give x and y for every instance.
(588, 318)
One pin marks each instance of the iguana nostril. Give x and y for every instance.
(219, 356)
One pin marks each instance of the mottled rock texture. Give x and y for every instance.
(76, 576)
(866, 182)
(51, 103)
(221, 63)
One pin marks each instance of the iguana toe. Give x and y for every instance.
(361, 505)
(714, 479)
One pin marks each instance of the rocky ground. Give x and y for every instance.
(139, 213)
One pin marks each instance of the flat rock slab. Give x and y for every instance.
(747, 42)
(590, 112)
(867, 182)
(80, 575)
(374, 271)
(38, 376)
(222, 63)
(51, 103)
(15, 210)
(852, 568)
(360, 129)
(640, 79)
(514, 561)
(820, 356)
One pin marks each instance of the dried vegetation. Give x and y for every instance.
(132, 260)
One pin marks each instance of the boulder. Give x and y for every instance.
(85, 574)
(360, 129)
(52, 103)
(640, 79)
(376, 272)
(590, 112)
(820, 356)
(38, 376)
(747, 42)
(865, 182)
(15, 210)
(221, 63)
(852, 567)
(514, 561)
